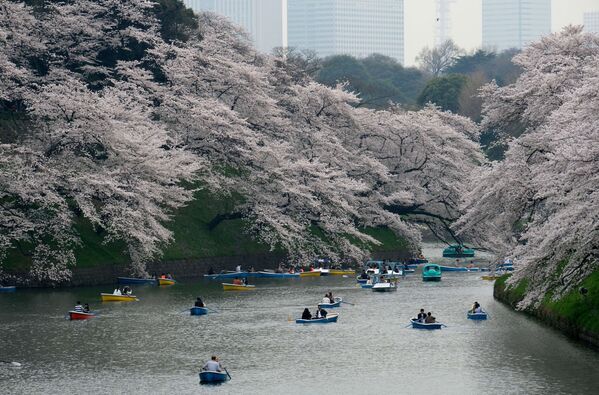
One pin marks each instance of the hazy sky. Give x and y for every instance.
(466, 15)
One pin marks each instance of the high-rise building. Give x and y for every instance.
(591, 21)
(443, 21)
(514, 23)
(352, 27)
(264, 20)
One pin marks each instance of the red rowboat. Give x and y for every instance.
(76, 315)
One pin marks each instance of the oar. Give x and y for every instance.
(444, 325)
(214, 311)
(228, 373)
(186, 310)
(343, 301)
(12, 363)
(410, 324)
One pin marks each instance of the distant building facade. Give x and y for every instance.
(264, 20)
(351, 27)
(514, 23)
(591, 21)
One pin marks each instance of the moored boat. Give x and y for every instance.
(490, 277)
(166, 281)
(211, 376)
(421, 325)
(458, 251)
(459, 269)
(431, 272)
(330, 318)
(80, 315)
(117, 298)
(311, 273)
(341, 272)
(223, 275)
(8, 289)
(384, 287)
(269, 274)
(238, 287)
(330, 305)
(477, 316)
(136, 281)
(198, 310)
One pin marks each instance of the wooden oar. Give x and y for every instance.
(343, 301)
(410, 324)
(11, 363)
(214, 311)
(228, 373)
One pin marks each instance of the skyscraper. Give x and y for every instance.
(443, 21)
(264, 20)
(514, 23)
(352, 27)
(591, 21)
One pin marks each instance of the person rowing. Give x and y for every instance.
(320, 313)
(326, 299)
(199, 302)
(78, 308)
(331, 299)
(421, 316)
(476, 309)
(306, 315)
(213, 365)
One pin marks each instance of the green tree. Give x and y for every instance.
(444, 92)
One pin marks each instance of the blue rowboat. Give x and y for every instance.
(224, 275)
(477, 316)
(8, 289)
(421, 325)
(330, 318)
(136, 281)
(361, 280)
(367, 286)
(198, 310)
(459, 269)
(327, 305)
(211, 376)
(267, 274)
(431, 272)
(458, 251)
(408, 271)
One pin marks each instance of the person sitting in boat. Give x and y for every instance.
(331, 298)
(421, 316)
(326, 299)
(364, 275)
(117, 292)
(86, 308)
(238, 268)
(244, 281)
(210, 270)
(169, 276)
(476, 308)
(127, 290)
(163, 275)
(213, 365)
(429, 318)
(237, 281)
(306, 315)
(78, 308)
(199, 302)
(320, 313)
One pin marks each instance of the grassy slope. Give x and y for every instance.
(193, 239)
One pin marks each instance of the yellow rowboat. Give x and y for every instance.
(118, 298)
(315, 273)
(335, 272)
(490, 278)
(166, 281)
(238, 287)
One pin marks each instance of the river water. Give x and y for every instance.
(151, 346)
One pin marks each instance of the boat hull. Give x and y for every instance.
(330, 318)
(315, 273)
(8, 289)
(362, 280)
(136, 281)
(459, 269)
(366, 286)
(166, 281)
(431, 272)
(198, 311)
(490, 278)
(76, 315)
(431, 278)
(213, 377)
(220, 276)
(331, 305)
(421, 325)
(118, 298)
(278, 275)
(238, 287)
(379, 288)
(336, 272)
(477, 316)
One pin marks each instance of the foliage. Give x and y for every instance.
(436, 61)
(540, 204)
(444, 91)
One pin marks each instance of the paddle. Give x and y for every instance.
(228, 373)
(12, 363)
(214, 311)
(407, 326)
(185, 311)
(343, 301)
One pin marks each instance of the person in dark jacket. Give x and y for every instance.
(306, 315)
(199, 302)
(421, 315)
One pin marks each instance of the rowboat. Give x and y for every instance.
(361, 280)
(224, 275)
(136, 281)
(328, 305)
(431, 272)
(366, 286)
(8, 289)
(477, 316)
(384, 287)
(341, 272)
(408, 271)
(490, 277)
(458, 251)
(330, 318)
(312, 273)
(238, 287)
(118, 298)
(166, 281)
(267, 274)
(421, 325)
(323, 271)
(80, 315)
(198, 310)
(459, 269)
(211, 376)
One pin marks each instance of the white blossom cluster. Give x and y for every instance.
(541, 204)
(115, 126)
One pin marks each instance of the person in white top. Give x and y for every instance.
(117, 292)
(326, 299)
(238, 268)
(213, 365)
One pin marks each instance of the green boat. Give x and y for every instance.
(458, 251)
(431, 272)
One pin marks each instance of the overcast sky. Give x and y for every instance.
(420, 18)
